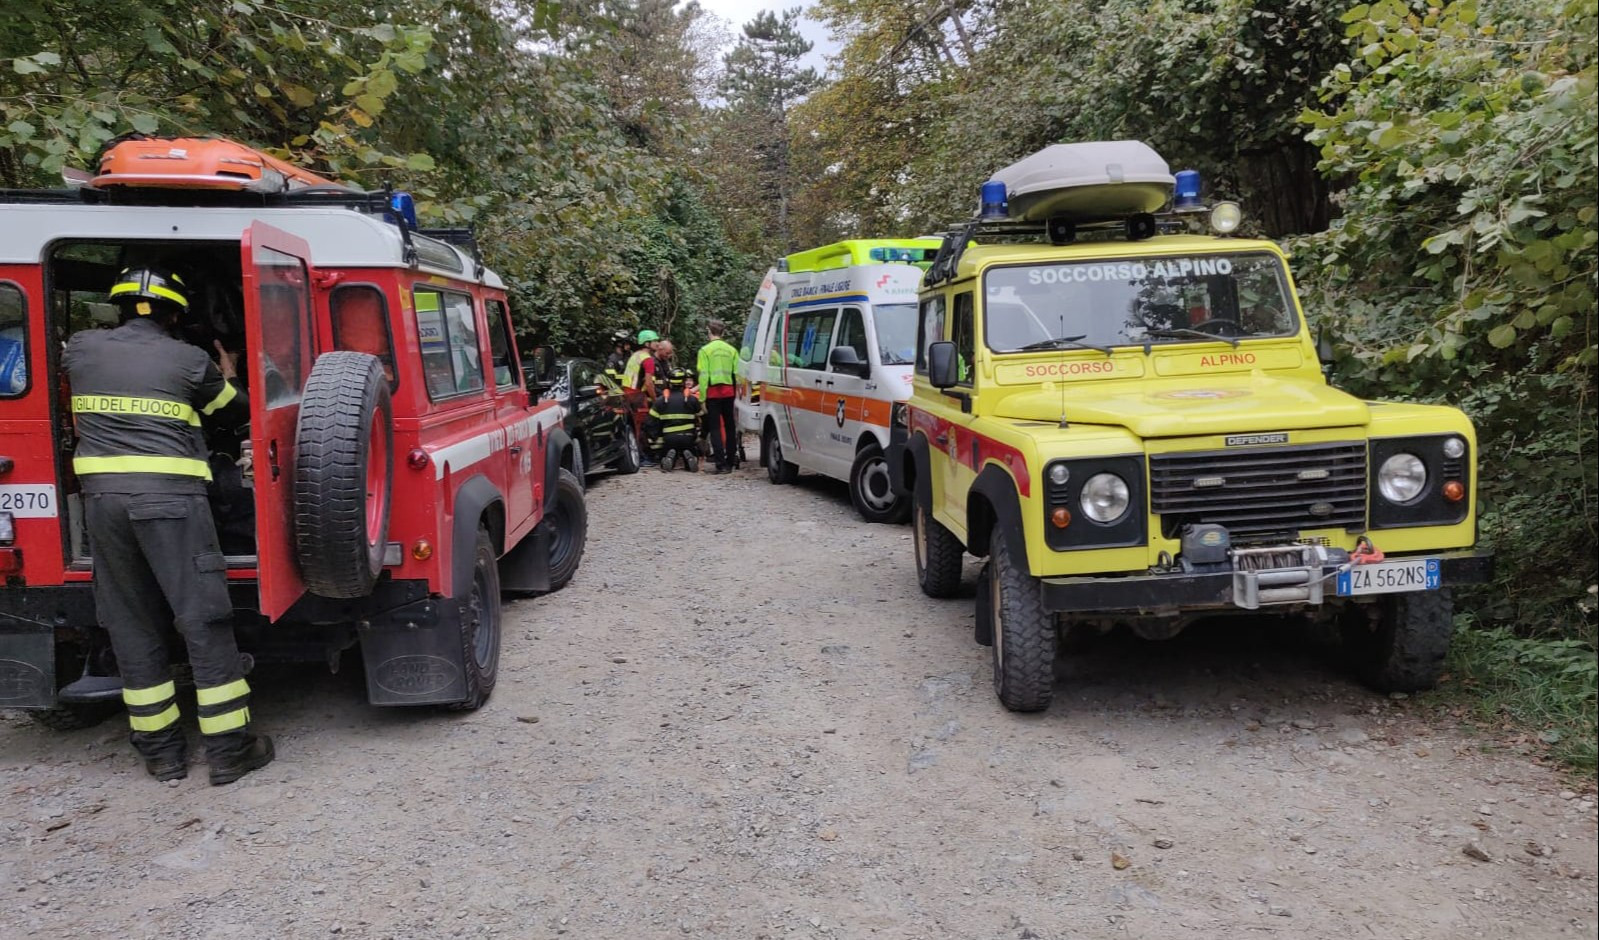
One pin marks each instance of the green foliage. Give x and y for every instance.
(72, 78)
(1549, 686)
(1466, 265)
(1213, 85)
(562, 150)
(762, 83)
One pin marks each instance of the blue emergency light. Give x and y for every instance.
(995, 202)
(403, 206)
(1187, 195)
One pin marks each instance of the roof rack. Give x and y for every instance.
(1056, 230)
(379, 204)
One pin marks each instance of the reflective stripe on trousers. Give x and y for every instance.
(224, 708)
(152, 708)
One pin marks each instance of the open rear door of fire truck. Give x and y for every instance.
(277, 316)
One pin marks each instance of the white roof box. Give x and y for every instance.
(1090, 181)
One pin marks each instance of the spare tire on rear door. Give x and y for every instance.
(343, 474)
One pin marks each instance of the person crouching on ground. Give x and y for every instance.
(678, 414)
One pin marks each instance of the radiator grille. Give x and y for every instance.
(1263, 493)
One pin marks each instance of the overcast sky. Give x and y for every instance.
(738, 12)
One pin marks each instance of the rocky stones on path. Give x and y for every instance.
(1163, 843)
(1119, 861)
(1476, 851)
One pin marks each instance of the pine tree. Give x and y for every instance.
(762, 84)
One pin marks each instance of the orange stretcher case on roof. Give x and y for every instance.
(201, 163)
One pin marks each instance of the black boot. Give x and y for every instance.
(168, 768)
(256, 753)
(165, 752)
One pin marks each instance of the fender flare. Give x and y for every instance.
(556, 444)
(911, 458)
(999, 490)
(474, 497)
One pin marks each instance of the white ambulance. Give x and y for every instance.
(825, 364)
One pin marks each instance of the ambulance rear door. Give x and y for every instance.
(277, 317)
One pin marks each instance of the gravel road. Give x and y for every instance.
(742, 720)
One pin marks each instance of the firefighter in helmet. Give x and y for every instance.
(140, 397)
(676, 417)
(621, 350)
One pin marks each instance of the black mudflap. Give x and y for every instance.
(27, 669)
(525, 569)
(414, 655)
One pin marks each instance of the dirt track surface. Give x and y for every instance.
(742, 720)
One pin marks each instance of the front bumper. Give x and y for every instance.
(1210, 590)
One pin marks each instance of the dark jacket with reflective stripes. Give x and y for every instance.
(138, 397)
(677, 413)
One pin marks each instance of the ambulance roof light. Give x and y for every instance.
(1186, 198)
(995, 203)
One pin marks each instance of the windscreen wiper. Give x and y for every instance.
(1195, 334)
(1063, 342)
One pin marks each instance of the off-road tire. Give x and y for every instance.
(580, 464)
(1406, 648)
(343, 474)
(869, 470)
(1024, 632)
(938, 554)
(480, 625)
(74, 717)
(631, 457)
(778, 470)
(569, 525)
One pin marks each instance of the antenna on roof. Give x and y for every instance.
(1061, 378)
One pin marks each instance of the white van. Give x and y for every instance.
(825, 364)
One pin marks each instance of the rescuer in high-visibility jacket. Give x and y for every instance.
(640, 371)
(717, 359)
(674, 425)
(139, 398)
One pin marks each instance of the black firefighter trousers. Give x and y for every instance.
(157, 564)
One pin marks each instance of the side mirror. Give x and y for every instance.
(941, 366)
(845, 359)
(539, 364)
(588, 391)
(1324, 347)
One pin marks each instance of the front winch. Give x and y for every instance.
(1282, 574)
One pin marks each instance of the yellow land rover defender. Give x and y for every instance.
(1131, 424)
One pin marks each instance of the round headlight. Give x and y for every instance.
(1225, 218)
(1454, 448)
(1058, 474)
(1401, 478)
(1105, 497)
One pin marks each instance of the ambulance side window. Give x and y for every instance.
(746, 346)
(361, 324)
(774, 336)
(929, 329)
(446, 328)
(852, 333)
(13, 342)
(810, 337)
(965, 338)
(506, 373)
